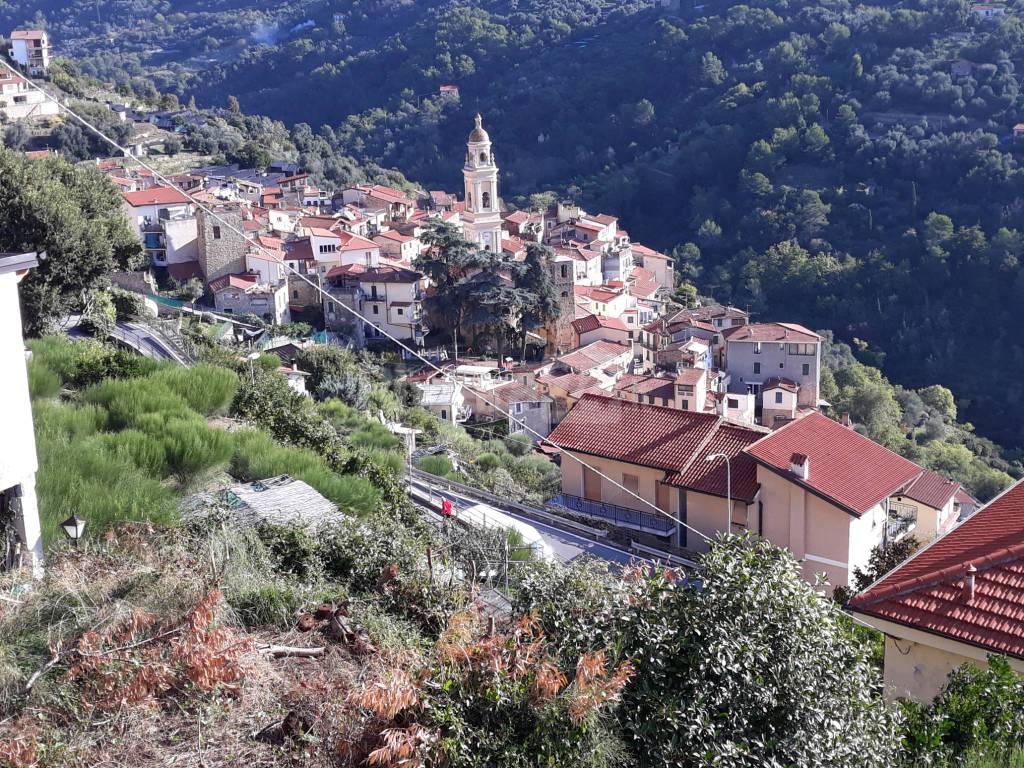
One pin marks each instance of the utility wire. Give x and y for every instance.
(252, 242)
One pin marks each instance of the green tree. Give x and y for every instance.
(712, 71)
(72, 214)
(940, 400)
(542, 304)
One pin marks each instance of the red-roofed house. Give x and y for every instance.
(243, 294)
(931, 503)
(165, 221)
(388, 295)
(398, 246)
(30, 49)
(657, 263)
(661, 455)
(19, 101)
(954, 602)
(599, 328)
(825, 491)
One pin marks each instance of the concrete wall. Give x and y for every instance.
(826, 538)
(182, 239)
(18, 462)
(775, 362)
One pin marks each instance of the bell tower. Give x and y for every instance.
(482, 216)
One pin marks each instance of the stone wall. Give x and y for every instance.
(221, 250)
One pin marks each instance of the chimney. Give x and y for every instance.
(295, 365)
(969, 582)
(800, 465)
(845, 419)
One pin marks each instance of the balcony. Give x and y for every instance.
(616, 515)
(898, 526)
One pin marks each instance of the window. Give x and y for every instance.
(483, 157)
(295, 294)
(732, 402)
(631, 483)
(800, 349)
(376, 309)
(330, 306)
(806, 369)
(686, 405)
(778, 397)
(564, 270)
(757, 367)
(757, 347)
(487, 201)
(444, 414)
(216, 232)
(400, 311)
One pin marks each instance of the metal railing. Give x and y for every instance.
(896, 527)
(613, 513)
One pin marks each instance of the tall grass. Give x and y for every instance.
(57, 353)
(42, 382)
(257, 456)
(208, 389)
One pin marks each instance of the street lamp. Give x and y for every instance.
(74, 527)
(252, 357)
(728, 485)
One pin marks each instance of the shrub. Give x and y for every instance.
(268, 605)
(208, 389)
(42, 382)
(145, 451)
(127, 401)
(373, 435)
(487, 461)
(60, 421)
(439, 465)
(519, 444)
(192, 447)
(293, 550)
(128, 305)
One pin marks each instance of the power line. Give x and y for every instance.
(252, 242)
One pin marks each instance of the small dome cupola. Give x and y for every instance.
(478, 135)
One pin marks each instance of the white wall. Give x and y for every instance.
(18, 463)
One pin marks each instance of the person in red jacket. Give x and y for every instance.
(446, 508)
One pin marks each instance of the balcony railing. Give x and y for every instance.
(612, 513)
(898, 526)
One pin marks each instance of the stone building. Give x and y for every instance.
(222, 250)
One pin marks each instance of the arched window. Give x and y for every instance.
(483, 157)
(469, 200)
(487, 201)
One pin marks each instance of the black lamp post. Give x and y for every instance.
(74, 527)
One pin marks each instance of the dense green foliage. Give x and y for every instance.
(72, 214)
(746, 667)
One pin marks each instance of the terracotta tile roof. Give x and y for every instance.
(155, 196)
(662, 438)
(245, 281)
(28, 34)
(646, 252)
(519, 393)
(847, 469)
(381, 274)
(597, 354)
(778, 382)
(570, 382)
(927, 591)
(963, 497)
(595, 293)
(351, 242)
(932, 489)
(593, 322)
(646, 385)
(790, 332)
(519, 217)
(690, 376)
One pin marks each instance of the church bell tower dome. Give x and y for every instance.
(479, 134)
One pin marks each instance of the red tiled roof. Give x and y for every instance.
(770, 332)
(244, 281)
(646, 385)
(778, 382)
(662, 438)
(643, 250)
(927, 591)
(519, 393)
(597, 294)
(847, 468)
(381, 274)
(154, 196)
(597, 354)
(690, 376)
(593, 322)
(932, 489)
(570, 382)
(27, 34)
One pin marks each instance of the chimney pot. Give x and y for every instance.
(845, 419)
(800, 465)
(969, 573)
